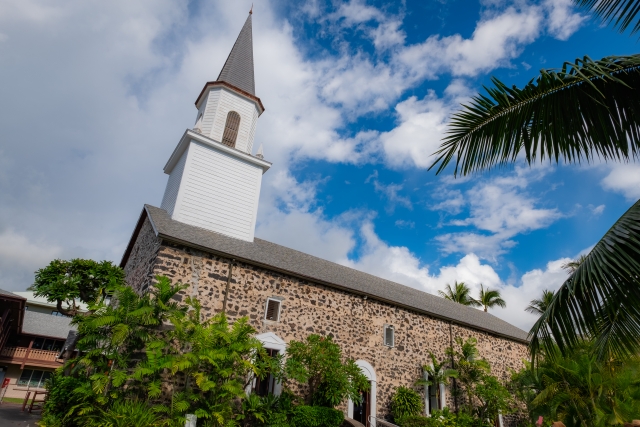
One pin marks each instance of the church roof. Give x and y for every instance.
(280, 258)
(238, 69)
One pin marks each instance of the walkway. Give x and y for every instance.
(11, 415)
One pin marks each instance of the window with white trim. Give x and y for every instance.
(389, 336)
(267, 385)
(272, 310)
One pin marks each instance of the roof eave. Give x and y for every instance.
(191, 134)
(233, 88)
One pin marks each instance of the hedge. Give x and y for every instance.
(316, 416)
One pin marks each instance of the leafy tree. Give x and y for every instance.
(489, 299)
(438, 374)
(76, 280)
(572, 266)
(114, 339)
(539, 306)
(586, 110)
(470, 367)
(318, 363)
(216, 360)
(151, 349)
(460, 293)
(580, 390)
(493, 397)
(405, 402)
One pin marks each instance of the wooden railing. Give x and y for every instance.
(30, 354)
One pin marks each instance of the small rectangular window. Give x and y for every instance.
(389, 336)
(273, 310)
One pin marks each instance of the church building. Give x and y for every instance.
(202, 234)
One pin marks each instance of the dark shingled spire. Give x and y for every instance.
(238, 70)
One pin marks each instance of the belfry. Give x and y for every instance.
(214, 180)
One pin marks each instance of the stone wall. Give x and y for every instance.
(139, 269)
(354, 322)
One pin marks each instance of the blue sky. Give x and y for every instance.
(357, 95)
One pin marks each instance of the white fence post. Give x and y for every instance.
(191, 420)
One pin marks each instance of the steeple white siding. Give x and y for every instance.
(217, 105)
(218, 191)
(173, 185)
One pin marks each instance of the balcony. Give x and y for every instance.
(31, 357)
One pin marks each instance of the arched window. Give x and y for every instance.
(231, 129)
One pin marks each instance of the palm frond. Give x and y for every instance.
(601, 299)
(585, 110)
(620, 13)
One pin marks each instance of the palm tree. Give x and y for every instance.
(438, 374)
(539, 306)
(586, 110)
(572, 266)
(460, 293)
(489, 299)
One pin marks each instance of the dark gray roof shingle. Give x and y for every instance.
(276, 257)
(46, 325)
(10, 294)
(238, 69)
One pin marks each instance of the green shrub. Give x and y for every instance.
(59, 400)
(405, 402)
(316, 416)
(416, 421)
(128, 413)
(317, 362)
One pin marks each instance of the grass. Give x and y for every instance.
(12, 400)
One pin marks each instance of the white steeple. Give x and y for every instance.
(214, 181)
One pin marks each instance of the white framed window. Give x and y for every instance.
(272, 310)
(389, 336)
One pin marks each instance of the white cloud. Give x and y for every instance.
(624, 179)
(421, 126)
(390, 192)
(530, 287)
(496, 39)
(596, 210)
(501, 209)
(20, 257)
(401, 223)
(562, 21)
(452, 201)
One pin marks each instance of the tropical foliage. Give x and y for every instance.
(317, 362)
(405, 402)
(539, 306)
(601, 299)
(585, 110)
(485, 395)
(580, 390)
(438, 373)
(149, 360)
(460, 293)
(489, 299)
